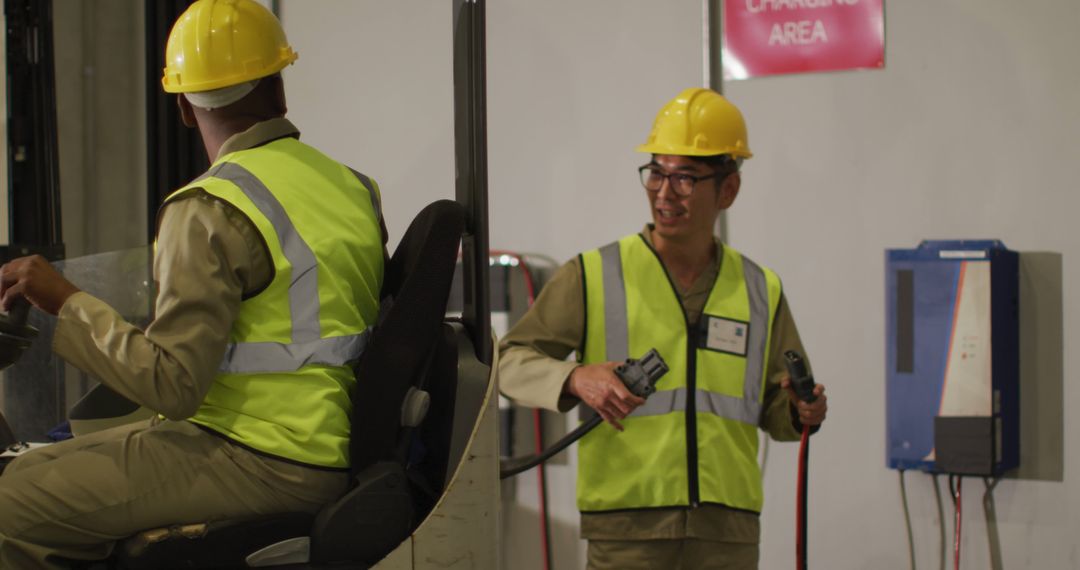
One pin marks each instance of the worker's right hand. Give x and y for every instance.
(600, 389)
(35, 280)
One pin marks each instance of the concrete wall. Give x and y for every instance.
(971, 131)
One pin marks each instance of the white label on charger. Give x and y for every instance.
(961, 254)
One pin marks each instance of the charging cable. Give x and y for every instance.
(803, 385)
(639, 376)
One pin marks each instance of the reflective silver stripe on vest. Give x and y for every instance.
(616, 325)
(253, 357)
(746, 409)
(304, 287)
(757, 290)
(706, 402)
(370, 187)
(307, 346)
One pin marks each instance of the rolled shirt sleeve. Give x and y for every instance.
(532, 364)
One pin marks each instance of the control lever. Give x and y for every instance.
(638, 375)
(15, 334)
(20, 311)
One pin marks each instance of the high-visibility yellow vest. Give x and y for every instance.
(283, 386)
(695, 440)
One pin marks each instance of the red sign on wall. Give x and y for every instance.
(769, 37)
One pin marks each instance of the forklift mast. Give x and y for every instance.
(33, 169)
(174, 153)
(32, 404)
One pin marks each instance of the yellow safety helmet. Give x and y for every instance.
(219, 43)
(698, 122)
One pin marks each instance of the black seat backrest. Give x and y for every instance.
(416, 286)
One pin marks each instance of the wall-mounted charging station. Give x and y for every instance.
(952, 357)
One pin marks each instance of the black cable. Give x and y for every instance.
(941, 520)
(801, 525)
(513, 466)
(907, 520)
(993, 540)
(958, 500)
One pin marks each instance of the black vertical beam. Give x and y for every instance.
(175, 154)
(33, 171)
(33, 400)
(470, 142)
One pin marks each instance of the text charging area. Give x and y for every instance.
(952, 364)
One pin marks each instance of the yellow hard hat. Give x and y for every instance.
(218, 43)
(698, 122)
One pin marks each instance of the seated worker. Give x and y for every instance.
(672, 481)
(268, 269)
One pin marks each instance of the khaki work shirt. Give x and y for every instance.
(533, 372)
(209, 258)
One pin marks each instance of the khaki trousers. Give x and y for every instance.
(677, 554)
(75, 499)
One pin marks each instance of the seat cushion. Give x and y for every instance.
(220, 544)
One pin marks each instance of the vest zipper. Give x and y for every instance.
(691, 416)
(691, 385)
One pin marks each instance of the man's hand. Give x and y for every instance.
(600, 389)
(35, 280)
(810, 414)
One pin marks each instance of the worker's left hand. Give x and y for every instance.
(810, 414)
(34, 279)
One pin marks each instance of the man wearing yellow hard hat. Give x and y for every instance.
(671, 481)
(268, 267)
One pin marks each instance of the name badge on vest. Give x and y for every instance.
(726, 335)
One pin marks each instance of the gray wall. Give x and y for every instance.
(969, 131)
(101, 123)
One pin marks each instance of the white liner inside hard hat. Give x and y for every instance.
(218, 98)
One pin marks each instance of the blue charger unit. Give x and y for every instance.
(952, 357)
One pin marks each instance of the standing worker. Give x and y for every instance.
(268, 268)
(672, 481)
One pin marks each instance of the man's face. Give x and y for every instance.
(680, 218)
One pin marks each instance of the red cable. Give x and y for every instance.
(956, 537)
(800, 501)
(530, 287)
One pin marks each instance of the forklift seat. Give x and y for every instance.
(403, 412)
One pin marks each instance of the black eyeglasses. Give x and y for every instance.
(652, 178)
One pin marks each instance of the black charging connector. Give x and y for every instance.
(638, 375)
(801, 379)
